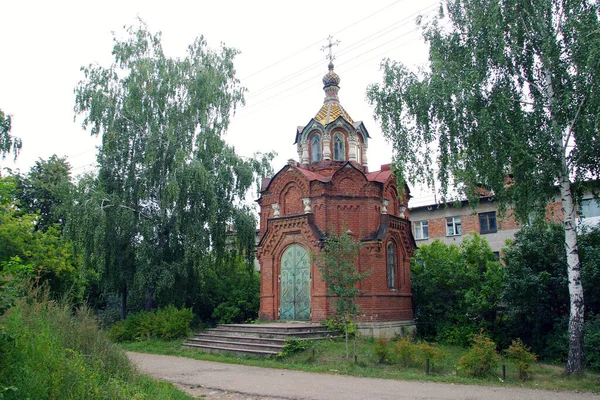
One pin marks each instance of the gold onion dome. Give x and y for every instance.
(331, 109)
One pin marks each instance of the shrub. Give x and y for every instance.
(426, 351)
(49, 350)
(293, 345)
(167, 323)
(382, 351)
(481, 358)
(592, 342)
(406, 351)
(522, 357)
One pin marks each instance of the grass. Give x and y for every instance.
(49, 350)
(328, 356)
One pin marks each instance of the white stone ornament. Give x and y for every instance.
(276, 211)
(306, 202)
(384, 205)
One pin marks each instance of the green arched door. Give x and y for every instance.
(295, 284)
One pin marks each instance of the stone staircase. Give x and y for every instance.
(255, 339)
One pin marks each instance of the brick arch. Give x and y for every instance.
(290, 200)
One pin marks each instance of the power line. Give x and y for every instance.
(319, 41)
(350, 49)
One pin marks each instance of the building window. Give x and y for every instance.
(315, 148)
(339, 153)
(589, 208)
(497, 255)
(487, 222)
(421, 230)
(453, 226)
(391, 266)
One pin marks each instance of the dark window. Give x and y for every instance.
(497, 255)
(339, 153)
(315, 148)
(487, 222)
(391, 266)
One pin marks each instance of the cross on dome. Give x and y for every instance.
(329, 46)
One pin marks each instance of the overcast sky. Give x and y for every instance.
(45, 43)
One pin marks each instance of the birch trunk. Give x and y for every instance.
(576, 359)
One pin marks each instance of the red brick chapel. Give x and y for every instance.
(330, 187)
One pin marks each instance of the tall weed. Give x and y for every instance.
(52, 351)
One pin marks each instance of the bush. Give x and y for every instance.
(382, 351)
(481, 359)
(592, 342)
(522, 357)
(167, 323)
(426, 351)
(49, 350)
(406, 351)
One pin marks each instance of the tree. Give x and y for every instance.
(46, 253)
(511, 90)
(535, 289)
(456, 289)
(8, 143)
(47, 189)
(168, 191)
(337, 262)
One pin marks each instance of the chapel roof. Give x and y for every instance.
(331, 109)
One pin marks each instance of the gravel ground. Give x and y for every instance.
(240, 382)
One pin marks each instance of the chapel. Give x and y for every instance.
(330, 188)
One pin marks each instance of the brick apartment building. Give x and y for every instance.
(452, 222)
(329, 189)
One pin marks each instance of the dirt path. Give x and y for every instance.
(239, 382)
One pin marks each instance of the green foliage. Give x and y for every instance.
(429, 351)
(522, 356)
(339, 325)
(382, 351)
(8, 143)
(48, 252)
(47, 191)
(166, 323)
(535, 289)
(592, 342)
(337, 263)
(235, 291)
(50, 350)
(406, 351)
(481, 359)
(510, 90)
(13, 279)
(158, 221)
(293, 345)
(456, 289)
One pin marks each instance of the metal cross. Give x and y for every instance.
(330, 56)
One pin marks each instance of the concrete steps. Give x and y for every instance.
(254, 339)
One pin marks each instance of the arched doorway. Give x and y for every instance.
(295, 284)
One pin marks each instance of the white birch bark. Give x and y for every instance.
(576, 359)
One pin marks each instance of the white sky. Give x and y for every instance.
(44, 44)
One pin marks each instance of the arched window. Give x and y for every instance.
(391, 266)
(315, 148)
(339, 153)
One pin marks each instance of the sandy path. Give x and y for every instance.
(228, 381)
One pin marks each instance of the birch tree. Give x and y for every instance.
(511, 89)
(169, 190)
(8, 143)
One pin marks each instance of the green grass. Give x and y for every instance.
(329, 357)
(48, 350)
